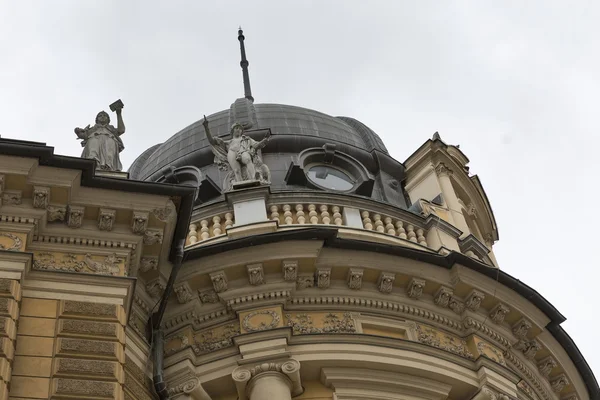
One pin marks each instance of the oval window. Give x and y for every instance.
(330, 178)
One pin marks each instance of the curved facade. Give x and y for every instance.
(349, 276)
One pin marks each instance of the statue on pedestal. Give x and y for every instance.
(240, 155)
(102, 142)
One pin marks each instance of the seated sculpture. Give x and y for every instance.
(102, 142)
(240, 156)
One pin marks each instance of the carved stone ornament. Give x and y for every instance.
(148, 264)
(75, 216)
(491, 394)
(163, 214)
(414, 290)
(474, 300)
(498, 313)
(441, 169)
(156, 288)
(385, 282)
(207, 341)
(71, 263)
(12, 197)
(102, 142)
(471, 210)
(355, 276)
(323, 276)
(184, 293)
(153, 236)
(442, 296)
(240, 156)
(110, 265)
(56, 213)
(521, 328)
(289, 370)
(290, 270)
(41, 196)
(559, 383)
(255, 274)
(106, 219)
(247, 321)
(139, 222)
(302, 324)
(431, 337)
(456, 305)
(219, 280)
(208, 297)
(305, 281)
(16, 244)
(531, 349)
(546, 366)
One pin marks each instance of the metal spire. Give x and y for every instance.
(244, 65)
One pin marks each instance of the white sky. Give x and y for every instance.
(514, 83)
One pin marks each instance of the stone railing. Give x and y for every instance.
(392, 226)
(209, 227)
(301, 214)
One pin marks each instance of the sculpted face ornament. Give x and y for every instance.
(102, 142)
(240, 156)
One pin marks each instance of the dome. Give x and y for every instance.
(281, 119)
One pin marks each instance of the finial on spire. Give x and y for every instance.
(244, 65)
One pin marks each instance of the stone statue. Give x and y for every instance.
(240, 155)
(102, 142)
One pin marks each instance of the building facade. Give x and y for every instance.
(290, 258)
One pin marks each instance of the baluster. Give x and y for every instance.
(389, 227)
(228, 220)
(193, 235)
(325, 214)
(378, 223)
(312, 214)
(287, 214)
(275, 213)
(367, 221)
(300, 214)
(204, 231)
(337, 216)
(411, 233)
(216, 225)
(421, 237)
(400, 230)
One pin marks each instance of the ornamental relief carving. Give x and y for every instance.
(153, 236)
(385, 282)
(255, 326)
(323, 277)
(56, 213)
(498, 313)
(290, 270)
(255, 274)
(355, 276)
(106, 219)
(12, 197)
(305, 281)
(139, 222)
(546, 366)
(41, 196)
(414, 290)
(442, 340)
(319, 323)
(208, 297)
(442, 296)
(10, 242)
(215, 338)
(75, 216)
(68, 262)
(491, 352)
(184, 293)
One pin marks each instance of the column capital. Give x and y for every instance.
(442, 170)
(287, 371)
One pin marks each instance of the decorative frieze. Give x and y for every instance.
(208, 297)
(440, 340)
(215, 338)
(56, 213)
(16, 242)
(153, 236)
(290, 270)
(521, 328)
(546, 365)
(75, 216)
(355, 276)
(314, 323)
(12, 197)
(184, 293)
(474, 300)
(250, 326)
(442, 296)
(139, 222)
(106, 219)
(148, 264)
(219, 281)
(498, 313)
(305, 281)
(385, 282)
(491, 352)
(41, 196)
(255, 274)
(111, 265)
(323, 276)
(558, 383)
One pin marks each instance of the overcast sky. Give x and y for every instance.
(516, 85)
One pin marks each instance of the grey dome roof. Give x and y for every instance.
(281, 119)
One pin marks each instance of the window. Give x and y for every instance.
(330, 178)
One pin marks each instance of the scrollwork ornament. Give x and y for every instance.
(443, 296)
(56, 213)
(474, 300)
(355, 276)
(521, 328)
(153, 236)
(498, 313)
(248, 326)
(323, 276)
(208, 297)
(219, 280)
(290, 270)
(41, 196)
(559, 383)
(385, 282)
(12, 197)
(148, 264)
(305, 281)
(75, 216)
(106, 219)
(139, 222)
(414, 290)
(255, 274)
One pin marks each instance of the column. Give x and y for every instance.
(268, 381)
(444, 173)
